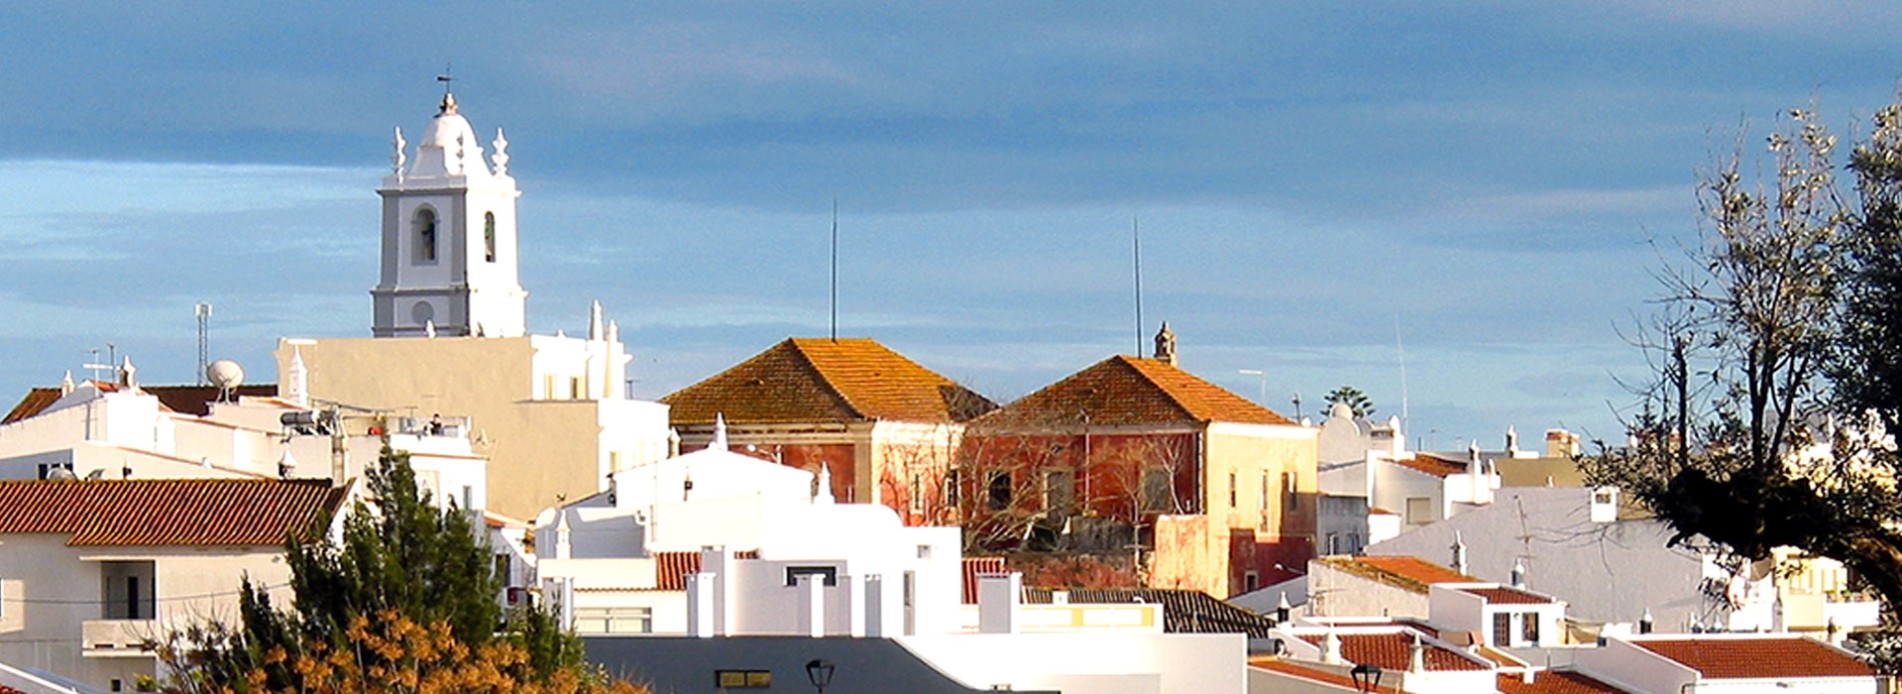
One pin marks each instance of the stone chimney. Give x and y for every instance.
(1166, 345)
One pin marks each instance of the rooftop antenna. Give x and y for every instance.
(447, 76)
(1136, 242)
(1402, 348)
(203, 312)
(835, 269)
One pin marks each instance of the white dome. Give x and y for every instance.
(449, 146)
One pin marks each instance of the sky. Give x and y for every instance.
(1458, 208)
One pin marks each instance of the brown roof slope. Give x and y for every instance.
(1183, 611)
(168, 512)
(194, 400)
(1132, 390)
(1554, 682)
(1394, 651)
(1410, 573)
(822, 380)
(1749, 657)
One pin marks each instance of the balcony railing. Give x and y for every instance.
(116, 637)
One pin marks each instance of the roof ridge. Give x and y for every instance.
(825, 379)
(1129, 362)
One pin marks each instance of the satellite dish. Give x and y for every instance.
(61, 473)
(226, 375)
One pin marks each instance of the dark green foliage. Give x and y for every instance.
(1357, 401)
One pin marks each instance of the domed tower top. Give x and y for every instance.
(448, 148)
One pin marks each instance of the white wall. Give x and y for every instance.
(1091, 663)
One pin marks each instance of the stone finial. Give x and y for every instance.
(1331, 647)
(401, 155)
(501, 156)
(1166, 345)
(448, 107)
(595, 329)
(822, 484)
(719, 433)
(1459, 552)
(1519, 573)
(1416, 655)
(66, 384)
(128, 374)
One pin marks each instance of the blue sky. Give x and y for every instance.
(1485, 184)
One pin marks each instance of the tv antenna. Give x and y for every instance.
(835, 269)
(1136, 242)
(203, 312)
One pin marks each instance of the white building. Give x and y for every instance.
(721, 557)
(90, 570)
(1742, 663)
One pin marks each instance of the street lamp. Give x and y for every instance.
(1263, 375)
(820, 672)
(1366, 677)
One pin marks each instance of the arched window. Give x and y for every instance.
(488, 235)
(425, 226)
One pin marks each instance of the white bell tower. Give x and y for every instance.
(449, 263)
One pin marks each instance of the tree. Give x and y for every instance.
(1774, 362)
(1357, 401)
(405, 600)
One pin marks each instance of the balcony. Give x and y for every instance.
(109, 638)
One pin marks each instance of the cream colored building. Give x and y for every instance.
(550, 412)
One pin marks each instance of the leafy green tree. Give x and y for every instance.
(419, 580)
(1357, 401)
(1776, 362)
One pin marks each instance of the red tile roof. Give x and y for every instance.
(1409, 573)
(1125, 390)
(1728, 657)
(1307, 671)
(672, 568)
(1507, 596)
(1433, 465)
(820, 380)
(1183, 611)
(193, 400)
(1554, 682)
(168, 512)
(1394, 651)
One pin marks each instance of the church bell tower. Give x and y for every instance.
(449, 262)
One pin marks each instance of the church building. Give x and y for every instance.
(449, 334)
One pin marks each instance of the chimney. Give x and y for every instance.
(1645, 623)
(1331, 647)
(1459, 553)
(1560, 443)
(1416, 655)
(1512, 441)
(1166, 345)
(1519, 573)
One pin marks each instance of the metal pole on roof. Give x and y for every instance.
(203, 312)
(1136, 242)
(835, 269)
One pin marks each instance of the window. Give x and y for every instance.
(127, 586)
(830, 574)
(1250, 581)
(1292, 483)
(488, 236)
(1502, 629)
(1232, 491)
(951, 489)
(743, 679)
(425, 226)
(1059, 492)
(917, 497)
(1264, 491)
(1419, 510)
(1529, 627)
(614, 620)
(1158, 495)
(502, 568)
(577, 389)
(1000, 491)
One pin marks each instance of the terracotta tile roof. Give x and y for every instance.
(1554, 682)
(672, 568)
(1726, 657)
(1125, 390)
(193, 400)
(821, 380)
(1393, 650)
(168, 512)
(978, 565)
(1183, 611)
(1507, 596)
(1408, 573)
(1433, 465)
(1306, 671)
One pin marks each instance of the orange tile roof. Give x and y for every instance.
(672, 568)
(1125, 390)
(1433, 465)
(1554, 682)
(1309, 672)
(1507, 596)
(168, 512)
(978, 565)
(821, 380)
(1409, 573)
(1394, 651)
(1725, 657)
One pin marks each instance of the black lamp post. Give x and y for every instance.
(1366, 677)
(820, 672)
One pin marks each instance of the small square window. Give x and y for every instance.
(830, 574)
(743, 679)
